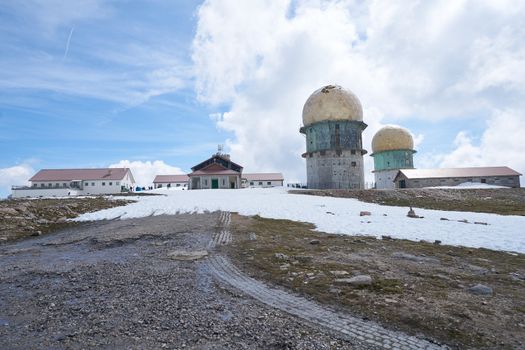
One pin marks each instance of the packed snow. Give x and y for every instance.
(471, 185)
(334, 215)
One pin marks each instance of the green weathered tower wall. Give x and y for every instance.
(389, 160)
(334, 135)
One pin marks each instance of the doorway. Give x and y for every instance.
(402, 184)
(214, 183)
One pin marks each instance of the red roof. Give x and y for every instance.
(263, 177)
(80, 174)
(458, 172)
(171, 178)
(214, 169)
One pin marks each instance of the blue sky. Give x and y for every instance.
(158, 84)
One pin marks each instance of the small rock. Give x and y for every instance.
(36, 233)
(444, 219)
(315, 241)
(329, 212)
(386, 238)
(437, 242)
(480, 289)
(187, 255)
(284, 267)
(339, 273)
(360, 280)
(42, 221)
(282, 256)
(385, 215)
(391, 301)
(412, 214)
(480, 223)
(421, 299)
(465, 221)
(365, 213)
(252, 236)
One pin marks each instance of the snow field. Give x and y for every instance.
(334, 215)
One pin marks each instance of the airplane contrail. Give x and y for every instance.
(67, 43)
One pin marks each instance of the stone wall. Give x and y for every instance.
(385, 179)
(332, 170)
(509, 181)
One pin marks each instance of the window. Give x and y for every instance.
(117, 183)
(352, 151)
(483, 181)
(354, 164)
(111, 183)
(251, 183)
(57, 184)
(34, 185)
(206, 182)
(50, 185)
(223, 182)
(269, 183)
(42, 185)
(178, 185)
(103, 184)
(260, 183)
(159, 186)
(64, 184)
(92, 184)
(86, 183)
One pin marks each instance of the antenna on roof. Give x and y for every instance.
(220, 148)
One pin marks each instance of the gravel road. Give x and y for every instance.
(113, 285)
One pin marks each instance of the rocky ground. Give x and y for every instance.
(22, 218)
(505, 201)
(466, 298)
(116, 285)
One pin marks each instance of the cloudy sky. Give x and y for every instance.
(156, 85)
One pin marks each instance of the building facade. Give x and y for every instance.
(392, 150)
(217, 172)
(333, 126)
(262, 180)
(418, 178)
(72, 182)
(171, 181)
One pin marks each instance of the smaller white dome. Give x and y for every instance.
(332, 102)
(390, 138)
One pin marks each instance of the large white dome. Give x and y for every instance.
(390, 138)
(332, 102)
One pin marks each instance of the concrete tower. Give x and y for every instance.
(333, 124)
(393, 149)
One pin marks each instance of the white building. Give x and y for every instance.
(75, 182)
(262, 180)
(169, 181)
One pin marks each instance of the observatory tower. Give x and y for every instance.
(393, 149)
(333, 124)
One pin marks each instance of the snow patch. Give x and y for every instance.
(334, 215)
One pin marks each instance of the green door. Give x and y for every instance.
(214, 183)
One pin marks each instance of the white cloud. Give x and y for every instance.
(499, 145)
(404, 59)
(15, 175)
(145, 172)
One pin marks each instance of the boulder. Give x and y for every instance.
(360, 280)
(315, 241)
(365, 213)
(187, 255)
(339, 273)
(480, 289)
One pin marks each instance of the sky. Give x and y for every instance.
(156, 85)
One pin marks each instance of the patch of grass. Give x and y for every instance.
(429, 297)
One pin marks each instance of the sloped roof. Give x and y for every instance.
(80, 174)
(263, 176)
(218, 159)
(171, 178)
(457, 172)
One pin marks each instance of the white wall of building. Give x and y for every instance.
(385, 179)
(262, 183)
(171, 184)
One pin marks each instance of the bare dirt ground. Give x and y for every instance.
(22, 218)
(419, 288)
(114, 285)
(504, 201)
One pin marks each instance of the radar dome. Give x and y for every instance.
(390, 138)
(332, 102)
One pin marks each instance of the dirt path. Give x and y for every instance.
(365, 331)
(113, 285)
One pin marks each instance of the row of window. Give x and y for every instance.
(260, 183)
(66, 185)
